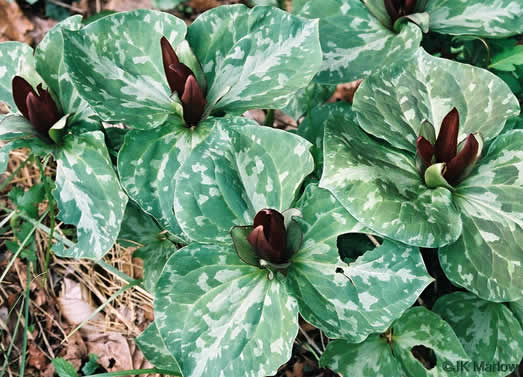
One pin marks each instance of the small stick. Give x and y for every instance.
(373, 240)
(65, 5)
(310, 341)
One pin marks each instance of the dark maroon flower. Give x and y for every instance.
(399, 8)
(38, 107)
(269, 237)
(181, 80)
(445, 149)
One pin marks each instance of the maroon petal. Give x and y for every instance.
(425, 150)
(409, 6)
(262, 246)
(169, 57)
(177, 75)
(464, 158)
(392, 10)
(193, 101)
(41, 115)
(21, 88)
(447, 141)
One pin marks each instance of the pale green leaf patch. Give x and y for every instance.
(393, 103)
(381, 187)
(390, 354)
(484, 18)
(234, 173)
(487, 258)
(155, 351)
(349, 301)
(149, 160)
(13, 57)
(88, 195)
(254, 58)
(488, 331)
(116, 65)
(230, 321)
(354, 42)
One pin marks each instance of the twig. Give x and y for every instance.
(373, 240)
(310, 341)
(65, 5)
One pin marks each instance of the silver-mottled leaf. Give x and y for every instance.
(349, 301)
(116, 65)
(148, 161)
(230, 320)
(254, 58)
(381, 187)
(234, 173)
(13, 55)
(489, 332)
(155, 351)
(354, 42)
(88, 195)
(392, 104)
(487, 259)
(485, 18)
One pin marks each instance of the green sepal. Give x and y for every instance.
(294, 236)
(420, 19)
(187, 57)
(58, 131)
(243, 248)
(434, 176)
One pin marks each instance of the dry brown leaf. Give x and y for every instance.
(203, 5)
(125, 5)
(37, 358)
(345, 92)
(14, 26)
(75, 304)
(75, 350)
(41, 27)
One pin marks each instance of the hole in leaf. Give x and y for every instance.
(353, 245)
(339, 270)
(425, 356)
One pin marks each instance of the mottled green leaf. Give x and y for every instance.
(234, 173)
(379, 357)
(487, 258)
(230, 320)
(305, 99)
(349, 301)
(312, 128)
(148, 161)
(485, 18)
(254, 58)
(137, 227)
(154, 350)
(13, 55)
(373, 357)
(354, 42)
(154, 254)
(489, 332)
(16, 126)
(381, 187)
(88, 195)
(116, 65)
(49, 56)
(517, 309)
(393, 103)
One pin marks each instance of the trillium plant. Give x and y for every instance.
(352, 222)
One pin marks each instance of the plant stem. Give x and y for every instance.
(51, 202)
(8, 180)
(26, 318)
(22, 245)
